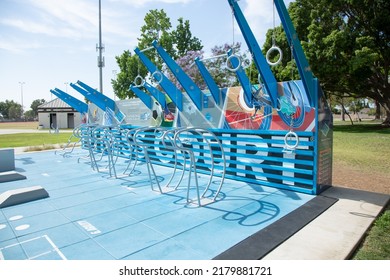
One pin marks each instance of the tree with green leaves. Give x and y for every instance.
(157, 27)
(185, 42)
(130, 67)
(347, 45)
(15, 111)
(177, 42)
(34, 106)
(217, 67)
(11, 110)
(186, 62)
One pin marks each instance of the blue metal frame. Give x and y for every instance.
(102, 101)
(211, 84)
(158, 95)
(255, 156)
(243, 79)
(71, 101)
(173, 92)
(106, 100)
(303, 66)
(259, 59)
(145, 98)
(90, 96)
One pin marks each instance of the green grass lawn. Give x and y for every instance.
(364, 145)
(376, 245)
(367, 146)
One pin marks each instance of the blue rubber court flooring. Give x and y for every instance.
(92, 216)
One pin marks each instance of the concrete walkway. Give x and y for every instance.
(335, 234)
(15, 131)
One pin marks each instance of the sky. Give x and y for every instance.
(47, 44)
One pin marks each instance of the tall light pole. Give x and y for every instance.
(66, 86)
(21, 93)
(100, 48)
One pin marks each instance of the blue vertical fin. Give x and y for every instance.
(71, 101)
(211, 84)
(193, 91)
(173, 92)
(91, 97)
(158, 95)
(145, 98)
(267, 76)
(303, 65)
(105, 99)
(243, 79)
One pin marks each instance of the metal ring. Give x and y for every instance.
(158, 81)
(139, 81)
(291, 134)
(274, 48)
(228, 60)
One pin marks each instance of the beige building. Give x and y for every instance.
(56, 114)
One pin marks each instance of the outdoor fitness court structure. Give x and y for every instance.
(187, 175)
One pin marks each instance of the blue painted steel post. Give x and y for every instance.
(71, 101)
(213, 87)
(303, 65)
(243, 79)
(259, 59)
(173, 92)
(158, 95)
(90, 96)
(106, 100)
(146, 99)
(194, 92)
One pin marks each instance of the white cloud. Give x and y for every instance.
(77, 17)
(43, 27)
(75, 13)
(259, 15)
(17, 46)
(141, 3)
(75, 20)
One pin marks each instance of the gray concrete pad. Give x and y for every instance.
(335, 234)
(9, 176)
(22, 195)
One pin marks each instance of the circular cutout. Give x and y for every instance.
(274, 48)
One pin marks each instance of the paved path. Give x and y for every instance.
(336, 233)
(15, 131)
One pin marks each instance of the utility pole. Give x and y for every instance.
(100, 48)
(21, 92)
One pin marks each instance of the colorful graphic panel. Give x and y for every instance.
(294, 112)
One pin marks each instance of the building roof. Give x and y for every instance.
(55, 103)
